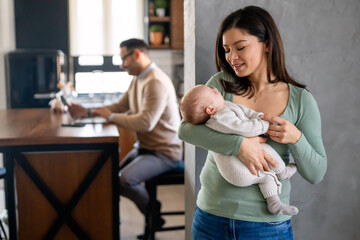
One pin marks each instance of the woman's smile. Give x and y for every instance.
(238, 66)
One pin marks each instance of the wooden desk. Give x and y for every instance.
(61, 182)
(126, 142)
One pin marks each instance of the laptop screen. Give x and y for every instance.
(102, 82)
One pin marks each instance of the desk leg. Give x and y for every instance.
(10, 199)
(10, 193)
(115, 191)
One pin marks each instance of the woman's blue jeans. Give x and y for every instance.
(206, 226)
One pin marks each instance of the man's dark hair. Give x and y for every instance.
(134, 43)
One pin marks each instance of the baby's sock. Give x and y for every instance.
(275, 206)
(288, 171)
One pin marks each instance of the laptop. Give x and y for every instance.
(91, 120)
(86, 120)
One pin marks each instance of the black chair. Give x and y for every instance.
(2, 229)
(175, 176)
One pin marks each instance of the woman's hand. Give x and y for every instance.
(102, 111)
(283, 131)
(254, 156)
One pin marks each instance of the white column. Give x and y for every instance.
(7, 42)
(189, 82)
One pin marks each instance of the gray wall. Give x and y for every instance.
(322, 46)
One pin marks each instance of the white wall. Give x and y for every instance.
(7, 42)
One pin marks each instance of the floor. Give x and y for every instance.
(132, 221)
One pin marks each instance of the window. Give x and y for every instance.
(96, 29)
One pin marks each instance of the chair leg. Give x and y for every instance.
(150, 219)
(153, 220)
(2, 231)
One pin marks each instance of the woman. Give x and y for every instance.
(251, 65)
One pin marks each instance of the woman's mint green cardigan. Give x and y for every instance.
(219, 197)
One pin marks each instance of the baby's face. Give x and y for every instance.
(213, 97)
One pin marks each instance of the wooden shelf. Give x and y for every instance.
(159, 19)
(162, 46)
(173, 25)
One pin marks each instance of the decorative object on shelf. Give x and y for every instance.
(156, 34)
(160, 7)
(151, 9)
(166, 40)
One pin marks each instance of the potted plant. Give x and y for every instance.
(156, 34)
(160, 6)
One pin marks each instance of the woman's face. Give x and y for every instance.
(244, 53)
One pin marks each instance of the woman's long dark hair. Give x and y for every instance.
(259, 23)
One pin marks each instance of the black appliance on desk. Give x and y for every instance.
(32, 77)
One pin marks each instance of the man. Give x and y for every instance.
(149, 108)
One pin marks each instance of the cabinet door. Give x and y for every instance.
(177, 24)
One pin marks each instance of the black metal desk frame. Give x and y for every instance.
(14, 153)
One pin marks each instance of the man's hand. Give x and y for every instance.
(57, 106)
(102, 111)
(77, 111)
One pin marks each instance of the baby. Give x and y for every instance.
(204, 104)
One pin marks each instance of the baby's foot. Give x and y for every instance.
(288, 172)
(275, 206)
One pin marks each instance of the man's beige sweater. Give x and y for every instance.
(150, 109)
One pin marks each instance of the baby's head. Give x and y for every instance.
(199, 103)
